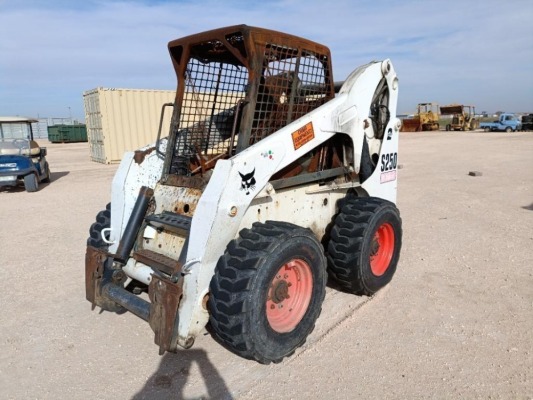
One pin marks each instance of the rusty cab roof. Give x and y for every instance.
(240, 42)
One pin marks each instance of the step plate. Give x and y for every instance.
(170, 221)
(157, 261)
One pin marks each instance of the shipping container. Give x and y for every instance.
(67, 133)
(120, 120)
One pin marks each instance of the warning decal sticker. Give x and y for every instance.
(303, 135)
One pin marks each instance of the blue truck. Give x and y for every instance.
(21, 158)
(507, 122)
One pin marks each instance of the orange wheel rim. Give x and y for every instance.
(382, 249)
(289, 296)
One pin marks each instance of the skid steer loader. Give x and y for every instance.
(267, 181)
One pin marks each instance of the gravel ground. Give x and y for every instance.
(455, 322)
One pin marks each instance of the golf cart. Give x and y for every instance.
(21, 158)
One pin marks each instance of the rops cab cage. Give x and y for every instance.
(236, 86)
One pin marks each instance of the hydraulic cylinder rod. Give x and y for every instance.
(134, 224)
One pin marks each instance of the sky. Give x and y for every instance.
(445, 51)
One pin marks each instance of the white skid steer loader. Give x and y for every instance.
(267, 182)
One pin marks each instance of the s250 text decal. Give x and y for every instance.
(389, 162)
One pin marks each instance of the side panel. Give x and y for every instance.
(312, 207)
(384, 180)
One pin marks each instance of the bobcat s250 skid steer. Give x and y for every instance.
(267, 182)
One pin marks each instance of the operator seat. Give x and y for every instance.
(34, 150)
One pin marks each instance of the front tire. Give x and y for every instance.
(31, 184)
(267, 291)
(365, 244)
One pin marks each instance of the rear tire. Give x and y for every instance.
(508, 130)
(365, 244)
(267, 291)
(31, 184)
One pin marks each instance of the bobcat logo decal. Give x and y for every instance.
(248, 181)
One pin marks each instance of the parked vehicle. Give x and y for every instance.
(426, 119)
(527, 122)
(267, 182)
(463, 117)
(21, 158)
(507, 122)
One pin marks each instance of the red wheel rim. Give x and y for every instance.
(382, 248)
(289, 296)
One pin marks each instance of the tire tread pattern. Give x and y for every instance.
(347, 240)
(103, 220)
(31, 183)
(232, 282)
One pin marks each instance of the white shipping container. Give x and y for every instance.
(120, 120)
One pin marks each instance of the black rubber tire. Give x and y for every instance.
(448, 127)
(241, 284)
(353, 239)
(103, 220)
(31, 184)
(508, 130)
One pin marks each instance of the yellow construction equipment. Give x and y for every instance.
(426, 119)
(463, 117)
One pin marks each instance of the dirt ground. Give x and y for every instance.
(455, 322)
